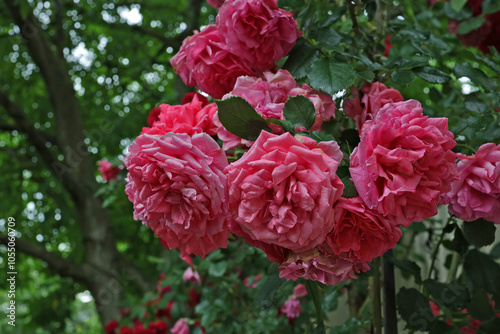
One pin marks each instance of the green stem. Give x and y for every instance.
(376, 305)
(435, 252)
(313, 292)
(453, 267)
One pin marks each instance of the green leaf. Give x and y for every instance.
(266, 294)
(480, 232)
(402, 77)
(498, 99)
(240, 118)
(480, 307)
(414, 308)
(351, 137)
(495, 251)
(326, 37)
(459, 244)
(321, 136)
(299, 110)
(441, 327)
(331, 77)
(295, 4)
(300, 59)
(490, 327)
(451, 295)
(477, 107)
(482, 270)
(452, 14)
(407, 266)
(367, 75)
(457, 5)
(432, 74)
(349, 187)
(217, 269)
(490, 6)
(470, 24)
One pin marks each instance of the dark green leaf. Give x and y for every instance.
(477, 107)
(482, 270)
(367, 75)
(300, 59)
(326, 37)
(432, 74)
(321, 136)
(240, 118)
(451, 295)
(441, 327)
(299, 110)
(351, 137)
(457, 5)
(331, 77)
(480, 232)
(491, 326)
(470, 24)
(295, 4)
(349, 188)
(414, 308)
(449, 228)
(479, 306)
(407, 266)
(495, 251)
(452, 14)
(319, 329)
(459, 244)
(476, 75)
(266, 294)
(403, 77)
(490, 6)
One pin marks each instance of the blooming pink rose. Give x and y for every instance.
(376, 95)
(322, 265)
(191, 276)
(178, 188)
(360, 231)
(282, 191)
(108, 172)
(258, 30)
(476, 194)
(188, 118)
(180, 327)
(215, 3)
(291, 308)
(204, 61)
(268, 96)
(300, 291)
(404, 162)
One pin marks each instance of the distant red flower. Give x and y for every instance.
(108, 171)
(388, 45)
(111, 327)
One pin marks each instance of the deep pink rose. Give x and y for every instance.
(192, 276)
(404, 162)
(291, 308)
(257, 30)
(322, 265)
(180, 327)
(361, 232)
(282, 190)
(178, 188)
(215, 3)
(204, 61)
(189, 118)
(376, 95)
(191, 96)
(476, 194)
(108, 172)
(268, 96)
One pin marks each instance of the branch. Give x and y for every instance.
(62, 266)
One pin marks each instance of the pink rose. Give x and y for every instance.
(300, 291)
(204, 61)
(404, 162)
(268, 96)
(192, 276)
(282, 191)
(376, 95)
(291, 308)
(360, 231)
(322, 265)
(476, 194)
(180, 327)
(258, 30)
(188, 118)
(192, 96)
(108, 172)
(215, 3)
(178, 188)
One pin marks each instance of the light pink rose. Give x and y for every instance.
(476, 194)
(361, 232)
(204, 61)
(322, 265)
(215, 3)
(189, 118)
(282, 191)
(291, 308)
(108, 171)
(180, 327)
(178, 188)
(268, 96)
(258, 30)
(299, 291)
(404, 162)
(192, 276)
(376, 95)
